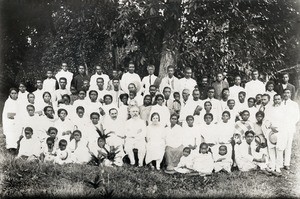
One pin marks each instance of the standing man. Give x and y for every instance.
(187, 82)
(236, 88)
(148, 80)
(130, 77)
(219, 85)
(66, 74)
(99, 73)
(285, 85)
(204, 85)
(255, 86)
(78, 80)
(170, 81)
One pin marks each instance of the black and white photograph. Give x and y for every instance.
(149, 98)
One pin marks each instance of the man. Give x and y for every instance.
(216, 104)
(219, 85)
(286, 85)
(99, 73)
(50, 83)
(265, 105)
(115, 75)
(46, 121)
(236, 88)
(187, 82)
(147, 81)
(116, 91)
(291, 110)
(130, 77)
(168, 99)
(57, 98)
(134, 94)
(39, 93)
(241, 102)
(135, 132)
(193, 107)
(100, 89)
(152, 92)
(78, 80)
(204, 87)
(145, 109)
(66, 74)
(255, 86)
(170, 81)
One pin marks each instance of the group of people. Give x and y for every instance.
(193, 128)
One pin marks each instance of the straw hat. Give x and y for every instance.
(261, 140)
(273, 137)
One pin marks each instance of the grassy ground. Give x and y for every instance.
(21, 179)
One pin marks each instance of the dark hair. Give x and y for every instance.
(112, 109)
(62, 78)
(251, 98)
(174, 114)
(46, 107)
(230, 100)
(260, 113)
(153, 114)
(170, 66)
(123, 95)
(79, 107)
(187, 149)
(28, 129)
(13, 89)
(46, 93)
(82, 90)
(62, 141)
(159, 95)
(244, 111)
(30, 105)
(243, 93)
(67, 96)
(203, 144)
(267, 95)
(93, 91)
(221, 146)
(207, 102)
(100, 78)
(52, 129)
(62, 109)
(30, 94)
(108, 95)
(94, 113)
(226, 112)
(189, 116)
(248, 132)
(50, 139)
(207, 114)
(77, 131)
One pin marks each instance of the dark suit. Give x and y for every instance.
(279, 89)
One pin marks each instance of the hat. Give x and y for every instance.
(273, 137)
(137, 85)
(63, 155)
(261, 140)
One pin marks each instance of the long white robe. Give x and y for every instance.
(79, 154)
(164, 114)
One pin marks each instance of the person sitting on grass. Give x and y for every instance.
(63, 154)
(225, 129)
(247, 157)
(186, 162)
(203, 162)
(190, 133)
(222, 159)
(48, 153)
(29, 147)
(79, 148)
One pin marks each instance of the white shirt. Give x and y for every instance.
(49, 85)
(253, 88)
(38, 96)
(187, 84)
(174, 136)
(93, 81)
(147, 82)
(68, 75)
(234, 92)
(128, 78)
(173, 83)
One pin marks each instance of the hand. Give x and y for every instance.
(274, 129)
(102, 112)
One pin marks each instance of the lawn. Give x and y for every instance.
(21, 179)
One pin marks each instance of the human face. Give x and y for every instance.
(81, 95)
(53, 133)
(241, 98)
(95, 119)
(222, 151)
(277, 99)
(31, 98)
(107, 100)
(160, 101)
(116, 83)
(22, 88)
(39, 84)
(190, 121)
(77, 136)
(258, 98)
(62, 115)
(210, 93)
(204, 149)
(287, 95)
(150, 70)
(73, 90)
(170, 72)
(63, 83)
(167, 93)
(13, 95)
(249, 138)
(125, 99)
(93, 96)
(270, 87)
(81, 69)
(196, 95)
(49, 74)
(131, 87)
(80, 113)
(259, 118)
(113, 114)
(47, 98)
(100, 83)
(188, 74)
(49, 112)
(101, 143)
(204, 81)
(62, 147)
(66, 100)
(186, 153)
(131, 68)
(219, 77)
(208, 119)
(155, 119)
(245, 116)
(264, 100)
(64, 66)
(225, 94)
(28, 134)
(207, 106)
(134, 112)
(177, 97)
(237, 81)
(255, 75)
(285, 78)
(147, 101)
(115, 73)
(30, 111)
(50, 144)
(98, 70)
(173, 120)
(225, 117)
(152, 90)
(250, 103)
(231, 104)
(185, 95)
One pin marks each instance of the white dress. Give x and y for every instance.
(80, 153)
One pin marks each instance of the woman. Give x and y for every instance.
(46, 101)
(8, 121)
(156, 144)
(161, 109)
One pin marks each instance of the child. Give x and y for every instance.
(52, 132)
(176, 103)
(244, 125)
(50, 83)
(222, 158)
(29, 148)
(63, 155)
(225, 129)
(203, 162)
(79, 148)
(48, 153)
(186, 162)
(191, 133)
(231, 108)
(74, 95)
(209, 130)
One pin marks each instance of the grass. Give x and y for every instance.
(23, 179)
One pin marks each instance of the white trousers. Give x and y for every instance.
(288, 149)
(140, 146)
(276, 159)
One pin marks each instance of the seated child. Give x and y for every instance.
(52, 132)
(225, 129)
(222, 158)
(48, 152)
(186, 162)
(63, 155)
(79, 148)
(203, 162)
(243, 125)
(29, 148)
(209, 130)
